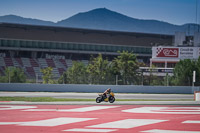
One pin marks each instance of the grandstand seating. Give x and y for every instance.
(42, 62)
(63, 62)
(56, 72)
(37, 71)
(15, 63)
(50, 63)
(26, 62)
(2, 62)
(69, 63)
(61, 70)
(2, 70)
(19, 60)
(8, 62)
(30, 71)
(34, 63)
(32, 67)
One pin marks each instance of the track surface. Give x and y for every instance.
(99, 118)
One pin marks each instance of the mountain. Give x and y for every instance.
(104, 19)
(21, 20)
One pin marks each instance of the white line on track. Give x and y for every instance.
(127, 123)
(168, 131)
(165, 110)
(12, 107)
(189, 121)
(83, 109)
(90, 130)
(49, 122)
(40, 110)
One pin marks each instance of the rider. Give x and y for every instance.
(108, 91)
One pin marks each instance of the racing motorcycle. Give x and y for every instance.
(110, 97)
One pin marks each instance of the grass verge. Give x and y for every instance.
(41, 99)
(50, 99)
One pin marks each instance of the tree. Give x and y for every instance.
(154, 79)
(126, 65)
(47, 75)
(13, 75)
(76, 74)
(183, 72)
(63, 78)
(98, 69)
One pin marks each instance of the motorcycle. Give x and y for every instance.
(110, 98)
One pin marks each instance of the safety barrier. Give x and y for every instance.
(197, 95)
(97, 88)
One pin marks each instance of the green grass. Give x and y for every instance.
(41, 99)
(50, 99)
(155, 100)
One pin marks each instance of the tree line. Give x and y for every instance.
(122, 70)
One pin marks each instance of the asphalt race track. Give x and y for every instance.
(99, 118)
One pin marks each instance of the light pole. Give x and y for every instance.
(8, 74)
(194, 78)
(167, 80)
(142, 79)
(36, 78)
(116, 79)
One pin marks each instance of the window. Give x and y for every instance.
(29, 44)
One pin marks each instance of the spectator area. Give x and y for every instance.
(32, 66)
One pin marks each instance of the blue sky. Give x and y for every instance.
(172, 11)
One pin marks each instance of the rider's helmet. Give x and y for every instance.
(109, 90)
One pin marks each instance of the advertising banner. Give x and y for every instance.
(167, 52)
(176, 52)
(187, 53)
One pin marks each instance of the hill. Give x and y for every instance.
(104, 19)
(21, 20)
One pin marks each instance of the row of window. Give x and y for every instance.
(72, 46)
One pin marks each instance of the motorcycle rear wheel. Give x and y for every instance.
(98, 99)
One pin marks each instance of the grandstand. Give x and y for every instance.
(32, 66)
(33, 47)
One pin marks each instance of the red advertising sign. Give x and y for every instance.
(167, 52)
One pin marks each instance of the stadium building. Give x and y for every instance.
(33, 47)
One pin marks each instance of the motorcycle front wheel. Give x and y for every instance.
(98, 99)
(111, 99)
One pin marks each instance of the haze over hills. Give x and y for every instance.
(104, 19)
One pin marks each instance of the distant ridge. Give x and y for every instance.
(21, 20)
(104, 19)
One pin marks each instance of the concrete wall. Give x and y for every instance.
(97, 88)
